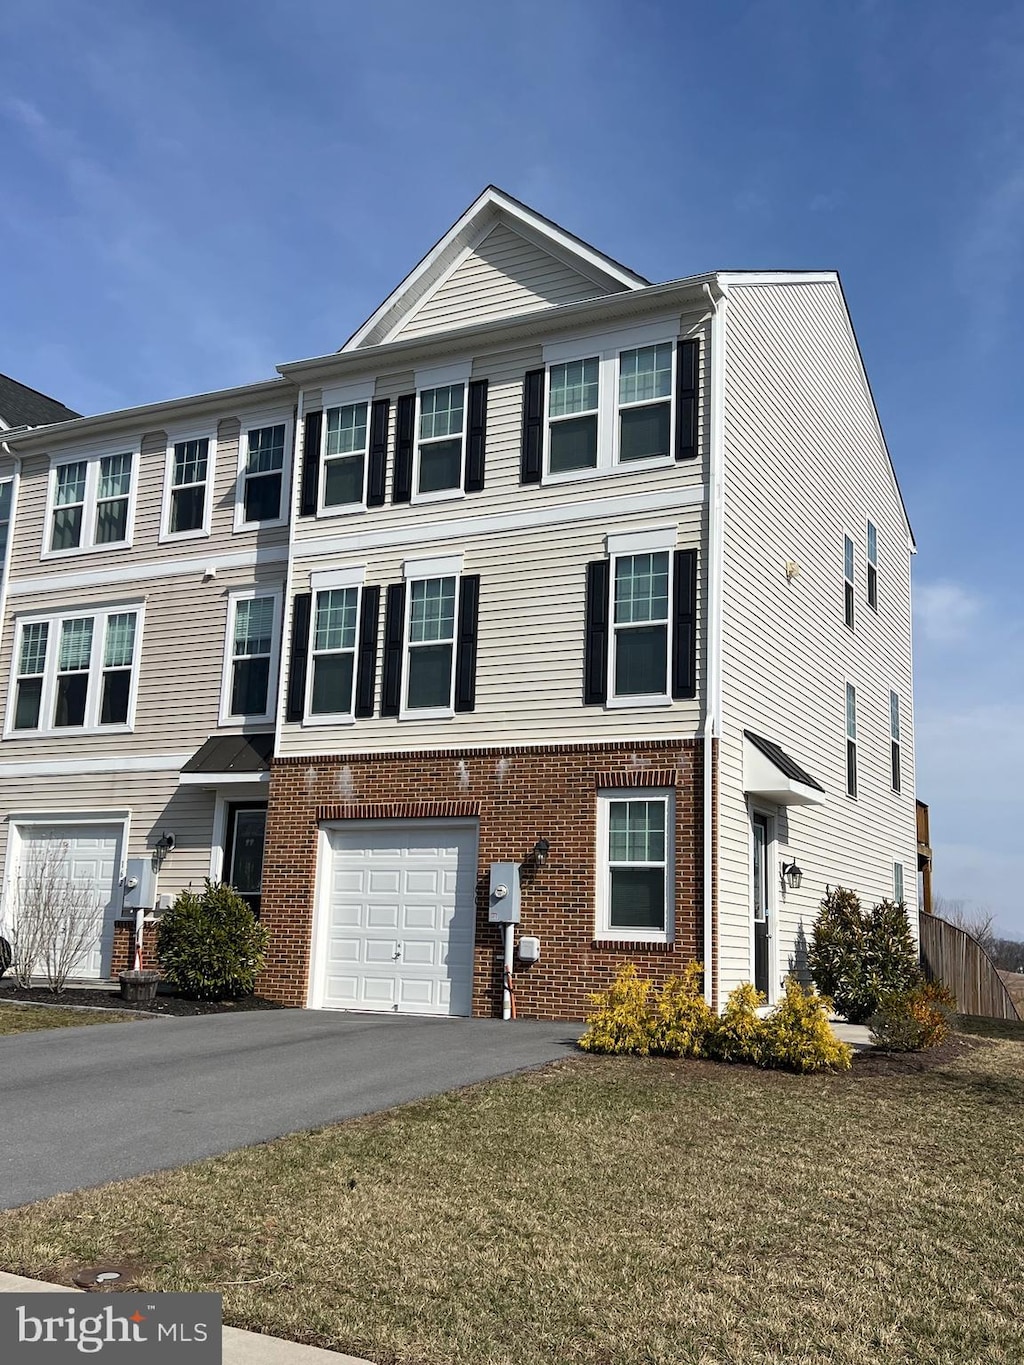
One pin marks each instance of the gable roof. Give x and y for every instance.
(597, 273)
(21, 406)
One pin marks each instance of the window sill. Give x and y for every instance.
(608, 471)
(241, 721)
(643, 945)
(442, 495)
(428, 713)
(637, 703)
(73, 731)
(270, 524)
(319, 722)
(172, 537)
(86, 550)
(345, 509)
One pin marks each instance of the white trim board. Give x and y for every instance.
(133, 573)
(461, 528)
(105, 763)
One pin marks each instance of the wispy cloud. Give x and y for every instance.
(945, 612)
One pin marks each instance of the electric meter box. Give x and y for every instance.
(143, 893)
(529, 948)
(503, 901)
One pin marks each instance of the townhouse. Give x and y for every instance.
(552, 589)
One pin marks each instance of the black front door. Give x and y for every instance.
(760, 878)
(243, 852)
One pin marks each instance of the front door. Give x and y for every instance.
(243, 852)
(760, 880)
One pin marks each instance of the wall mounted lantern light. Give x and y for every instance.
(540, 851)
(792, 875)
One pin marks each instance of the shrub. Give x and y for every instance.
(910, 1020)
(6, 956)
(211, 946)
(797, 1036)
(857, 959)
(621, 1019)
(683, 1018)
(739, 1034)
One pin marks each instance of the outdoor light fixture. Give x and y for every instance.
(792, 874)
(163, 846)
(540, 851)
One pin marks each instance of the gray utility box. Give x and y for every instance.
(143, 893)
(503, 902)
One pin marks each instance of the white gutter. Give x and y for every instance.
(713, 632)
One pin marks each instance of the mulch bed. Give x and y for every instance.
(875, 1062)
(164, 1003)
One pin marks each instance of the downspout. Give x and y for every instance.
(713, 633)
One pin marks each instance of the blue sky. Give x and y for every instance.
(194, 193)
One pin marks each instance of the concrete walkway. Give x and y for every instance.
(240, 1348)
(83, 1106)
(857, 1035)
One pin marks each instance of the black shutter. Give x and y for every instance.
(310, 482)
(595, 655)
(684, 660)
(394, 628)
(402, 490)
(366, 668)
(687, 371)
(301, 608)
(465, 652)
(532, 455)
(380, 411)
(477, 436)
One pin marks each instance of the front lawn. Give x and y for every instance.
(15, 1018)
(605, 1211)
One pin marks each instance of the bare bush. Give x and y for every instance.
(978, 921)
(55, 921)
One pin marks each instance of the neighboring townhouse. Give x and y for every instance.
(20, 406)
(603, 582)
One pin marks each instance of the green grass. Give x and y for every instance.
(605, 1211)
(17, 1018)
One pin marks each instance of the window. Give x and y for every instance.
(848, 580)
(897, 883)
(872, 566)
(613, 407)
(634, 891)
(253, 625)
(430, 644)
(894, 739)
(261, 473)
(90, 503)
(851, 740)
(346, 433)
(76, 672)
(572, 415)
(645, 402)
(334, 652)
(641, 629)
(189, 470)
(6, 487)
(441, 439)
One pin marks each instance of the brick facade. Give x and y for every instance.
(518, 795)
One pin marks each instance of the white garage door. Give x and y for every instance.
(82, 865)
(397, 915)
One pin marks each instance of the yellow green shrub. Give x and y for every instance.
(797, 1035)
(682, 1017)
(621, 1020)
(738, 1034)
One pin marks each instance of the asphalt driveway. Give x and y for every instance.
(81, 1106)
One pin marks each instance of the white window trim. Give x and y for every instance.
(274, 417)
(614, 702)
(328, 582)
(444, 566)
(772, 854)
(176, 438)
(233, 598)
(847, 738)
(405, 712)
(642, 542)
(850, 580)
(91, 456)
(343, 396)
(897, 740)
(8, 478)
(602, 924)
(606, 348)
(440, 494)
(99, 613)
(899, 893)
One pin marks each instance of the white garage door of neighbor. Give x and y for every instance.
(88, 856)
(397, 918)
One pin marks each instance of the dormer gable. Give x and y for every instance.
(501, 259)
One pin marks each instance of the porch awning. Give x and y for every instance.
(227, 759)
(770, 773)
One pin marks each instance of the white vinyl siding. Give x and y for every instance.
(804, 467)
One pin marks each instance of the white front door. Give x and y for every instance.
(82, 865)
(397, 918)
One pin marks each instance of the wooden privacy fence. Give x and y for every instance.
(949, 954)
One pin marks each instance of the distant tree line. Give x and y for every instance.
(1006, 953)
